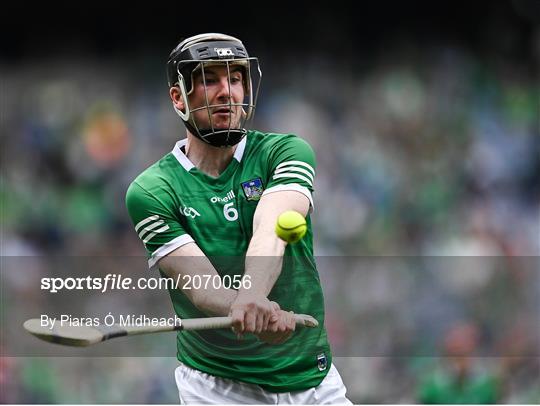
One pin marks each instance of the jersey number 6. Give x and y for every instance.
(230, 213)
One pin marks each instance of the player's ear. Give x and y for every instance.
(176, 97)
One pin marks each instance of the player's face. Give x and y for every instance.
(216, 90)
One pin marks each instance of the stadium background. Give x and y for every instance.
(425, 120)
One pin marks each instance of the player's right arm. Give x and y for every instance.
(170, 247)
(190, 260)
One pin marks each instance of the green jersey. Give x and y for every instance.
(172, 203)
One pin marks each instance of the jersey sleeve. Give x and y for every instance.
(155, 223)
(292, 167)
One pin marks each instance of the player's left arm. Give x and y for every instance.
(291, 169)
(264, 259)
(264, 256)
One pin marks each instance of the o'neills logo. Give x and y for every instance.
(230, 196)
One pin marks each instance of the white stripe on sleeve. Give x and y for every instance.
(150, 227)
(296, 163)
(152, 235)
(294, 169)
(145, 221)
(293, 175)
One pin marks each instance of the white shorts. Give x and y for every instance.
(196, 387)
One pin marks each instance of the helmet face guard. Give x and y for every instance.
(195, 56)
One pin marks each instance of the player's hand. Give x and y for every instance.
(252, 314)
(279, 331)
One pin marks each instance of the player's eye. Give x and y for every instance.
(236, 78)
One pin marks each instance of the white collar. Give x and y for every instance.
(188, 165)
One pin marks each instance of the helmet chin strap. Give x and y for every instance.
(218, 138)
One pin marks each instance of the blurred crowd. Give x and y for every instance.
(426, 157)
